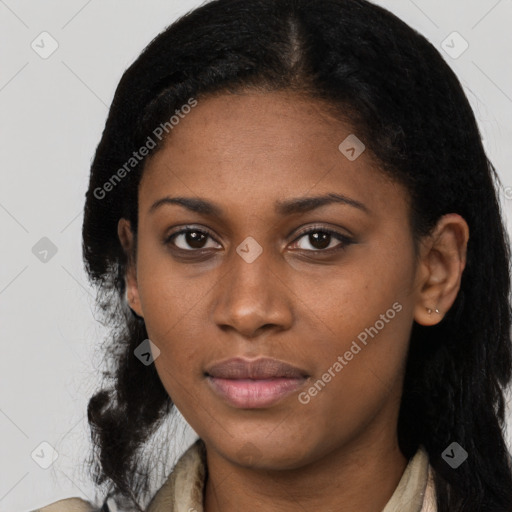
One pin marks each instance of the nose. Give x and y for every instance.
(253, 297)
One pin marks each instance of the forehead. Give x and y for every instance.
(264, 147)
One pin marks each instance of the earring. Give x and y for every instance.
(429, 311)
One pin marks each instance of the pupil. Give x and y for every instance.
(319, 239)
(195, 239)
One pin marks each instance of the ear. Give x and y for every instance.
(125, 233)
(442, 261)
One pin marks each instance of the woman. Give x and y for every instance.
(295, 233)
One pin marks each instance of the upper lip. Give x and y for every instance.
(261, 368)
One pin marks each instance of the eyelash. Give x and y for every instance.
(345, 240)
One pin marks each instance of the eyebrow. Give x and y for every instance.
(288, 207)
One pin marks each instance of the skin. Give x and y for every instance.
(245, 153)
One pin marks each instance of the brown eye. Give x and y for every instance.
(322, 240)
(319, 239)
(190, 239)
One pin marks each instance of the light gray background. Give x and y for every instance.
(52, 113)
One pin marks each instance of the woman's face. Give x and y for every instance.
(296, 251)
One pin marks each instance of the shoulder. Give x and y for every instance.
(68, 505)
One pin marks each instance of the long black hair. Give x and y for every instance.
(411, 111)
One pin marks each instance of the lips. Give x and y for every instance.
(262, 368)
(254, 384)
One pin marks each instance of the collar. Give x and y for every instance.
(183, 489)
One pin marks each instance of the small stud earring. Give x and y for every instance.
(429, 311)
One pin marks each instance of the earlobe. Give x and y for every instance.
(428, 316)
(126, 238)
(442, 263)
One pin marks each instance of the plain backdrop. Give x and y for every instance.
(52, 112)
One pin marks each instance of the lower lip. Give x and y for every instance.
(254, 394)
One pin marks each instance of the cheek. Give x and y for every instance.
(174, 314)
(356, 378)
(168, 297)
(346, 300)
(366, 316)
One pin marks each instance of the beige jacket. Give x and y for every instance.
(183, 489)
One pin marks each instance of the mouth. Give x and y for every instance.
(254, 384)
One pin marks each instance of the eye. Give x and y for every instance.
(319, 239)
(190, 239)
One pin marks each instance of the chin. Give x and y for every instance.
(269, 454)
